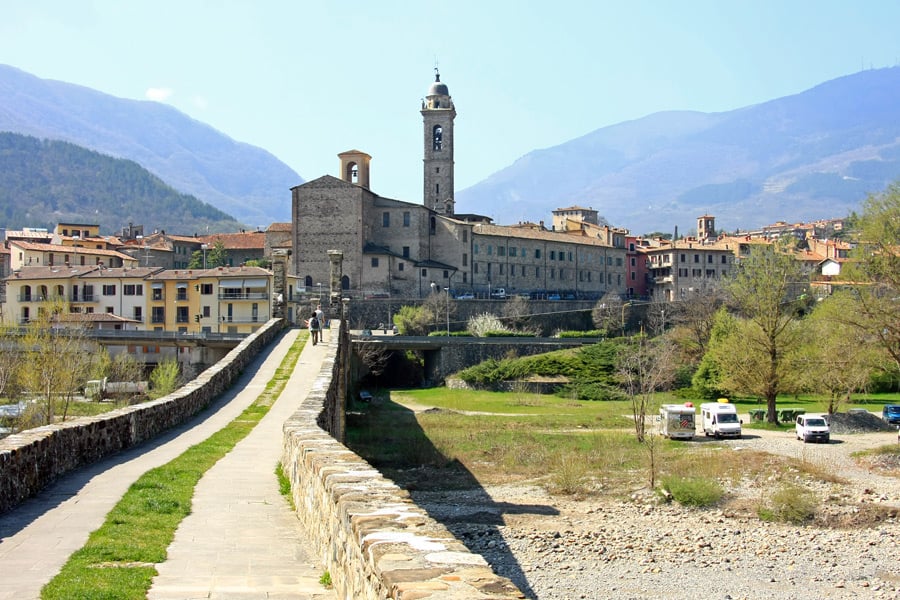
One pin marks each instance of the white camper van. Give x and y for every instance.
(677, 420)
(720, 419)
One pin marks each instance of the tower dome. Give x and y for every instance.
(438, 88)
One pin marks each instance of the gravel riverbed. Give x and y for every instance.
(562, 548)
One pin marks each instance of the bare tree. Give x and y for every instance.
(694, 317)
(609, 313)
(645, 367)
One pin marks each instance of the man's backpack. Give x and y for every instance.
(314, 323)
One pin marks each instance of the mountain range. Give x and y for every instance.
(813, 155)
(242, 180)
(810, 156)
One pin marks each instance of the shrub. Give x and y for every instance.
(481, 324)
(789, 504)
(591, 390)
(693, 491)
(593, 333)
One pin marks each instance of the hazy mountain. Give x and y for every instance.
(45, 182)
(242, 180)
(813, 155)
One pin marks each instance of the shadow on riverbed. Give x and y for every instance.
(389, 437)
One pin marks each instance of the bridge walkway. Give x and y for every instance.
(241, 540)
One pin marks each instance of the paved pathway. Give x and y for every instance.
(37, 537)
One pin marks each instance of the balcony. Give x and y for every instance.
(243, 295)
(245, 319)
(663, 279)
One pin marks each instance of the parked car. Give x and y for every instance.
(812, 428)
(891, 413)
(466, 296)
(498, 294)
(553, 297)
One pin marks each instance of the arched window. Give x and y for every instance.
(345, 283)
(307, 281)
(352, 174)
(43, 291)
(437, 137)
(26, 293)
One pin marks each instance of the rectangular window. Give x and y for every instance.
(181, 314)
(696, 258)
(206, 312)
(724, 259)
(553, 273)
(406, 218)
(633, 262)
(206, 289)
(618, 261)
(400, 266)
(424, 272)
(405, 251)
(501, 268)
(490, 250)
(512, 251)
(474, 248)
(374, 262)
(475, 267)
(446, 274)
(501, 250)
(553, 255)
(570, 257)
(537, 272)
(537, 253)
(158, 314)
(709, 258)
(465, 236)
(385, 219)
(109, 290)
(683, 258)
(138, 314)
(465, 259)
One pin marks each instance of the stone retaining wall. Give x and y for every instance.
(31, 460)
(373, 540)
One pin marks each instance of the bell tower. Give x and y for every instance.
(438, 113)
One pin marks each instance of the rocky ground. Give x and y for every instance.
(637, 546)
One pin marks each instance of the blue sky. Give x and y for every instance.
(307, 80)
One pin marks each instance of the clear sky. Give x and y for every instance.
(309, 79)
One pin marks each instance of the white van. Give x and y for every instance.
(720, 419)
(677, 420)
(813, 428)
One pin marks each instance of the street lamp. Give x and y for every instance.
(320, 292)
(447, 290)
(204, 247)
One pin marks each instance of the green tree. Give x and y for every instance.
(217, 256)
(764, 290)
(874, 274)
(164, 379)
(56, 362)
(836, 358)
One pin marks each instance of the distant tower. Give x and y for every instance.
(438, 113)
(355, 167)
(706, 227)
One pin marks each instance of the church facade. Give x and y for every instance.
(405, 249)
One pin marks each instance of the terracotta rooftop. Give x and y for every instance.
(68, 249)
(237, 241)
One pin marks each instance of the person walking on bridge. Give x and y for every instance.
(314, 328)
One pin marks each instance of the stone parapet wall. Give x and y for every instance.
(371, 537)
(31, 460)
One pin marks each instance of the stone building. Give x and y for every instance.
(396, 248)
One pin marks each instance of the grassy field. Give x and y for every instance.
(439, 438)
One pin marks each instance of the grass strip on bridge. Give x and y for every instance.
(119, 559)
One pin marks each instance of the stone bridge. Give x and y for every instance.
(445, 355)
